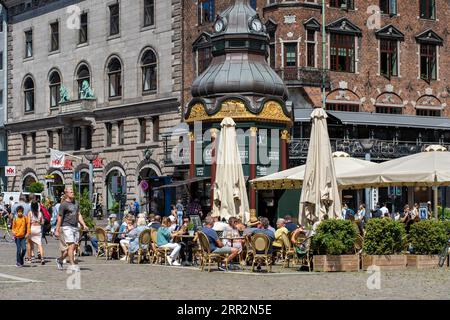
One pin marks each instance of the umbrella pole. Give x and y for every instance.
(435, 200)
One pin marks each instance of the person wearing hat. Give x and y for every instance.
(112, 226)
(219, 225)
(173, 223)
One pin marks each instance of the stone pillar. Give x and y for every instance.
(213, 164)
(284, 149)
(253, 162)
(192, 160)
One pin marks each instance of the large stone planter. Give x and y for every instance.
(385, 262)
(336, 263)
(423, 261)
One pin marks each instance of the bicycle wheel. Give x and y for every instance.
(443, 256)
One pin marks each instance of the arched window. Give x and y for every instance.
(149, 71)
(115, 78)
(83, 74)
(28, 90)
(55, 86)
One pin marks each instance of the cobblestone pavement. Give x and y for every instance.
(100, 279)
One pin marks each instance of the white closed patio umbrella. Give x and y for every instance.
(320, 193)
(230, 193)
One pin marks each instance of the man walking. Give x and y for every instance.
(68, 218)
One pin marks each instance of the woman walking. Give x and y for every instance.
(35, 221)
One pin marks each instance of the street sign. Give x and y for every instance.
(10, 171)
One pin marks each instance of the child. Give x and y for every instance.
(20, 232)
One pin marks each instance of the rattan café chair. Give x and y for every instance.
(103, 243)
(261, 246)
(158, 253)
(145, 241)
(209, 257)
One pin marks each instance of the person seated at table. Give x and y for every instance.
(156, 223)
(125, 239)
(172, 223)
(252, 225)
(219, 226)
(113, 226)
(263, 227)
(215, 244)
(288, 224)
(134, 236)
(232, 233)
(278, 242)
(164, 238)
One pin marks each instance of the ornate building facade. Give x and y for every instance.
(91, 76)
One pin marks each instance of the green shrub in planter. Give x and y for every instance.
(447, 226)
(384, 237)
(335, 237)
(428, 237)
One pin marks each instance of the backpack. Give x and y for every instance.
(45, 214)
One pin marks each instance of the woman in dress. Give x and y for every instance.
(35, 221)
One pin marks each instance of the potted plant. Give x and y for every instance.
(427, 238)
(384, 243)
(333, 246)
(191, 228)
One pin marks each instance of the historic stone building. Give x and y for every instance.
(94, 76)
(386, 71)
(3, 92)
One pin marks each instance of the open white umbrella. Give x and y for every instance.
(320, 193)
(293, 178)
(230, 193)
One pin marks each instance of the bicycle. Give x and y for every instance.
(7, 236)
(444, 254)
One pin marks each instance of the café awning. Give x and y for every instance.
(180, 183)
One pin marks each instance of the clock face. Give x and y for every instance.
(256, 25)
(218, 26)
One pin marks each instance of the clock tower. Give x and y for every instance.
(239, 83)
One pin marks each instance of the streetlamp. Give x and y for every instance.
(91, 157)
(367, 145)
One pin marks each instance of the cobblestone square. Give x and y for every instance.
(114, 279)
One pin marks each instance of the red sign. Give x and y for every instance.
(10, 171)
(68, 165)
(98, 163)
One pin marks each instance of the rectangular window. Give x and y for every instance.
(108, 134)
(343, 4)
(343, 107)
(114, 19)
(50, 139)
(76, 138)
(428, 113)
(24, 144)
(83, 33)
(428, 9)
(342, 53)
(390, 110)
(54, 36)
(28, 44)
(205, 11)
(142, 130)
(121, 133)
(388, 58)
(311, 48)
(204, 59)
(149, 13)
(1, 60)
(155, 129)
(88, 137)
(428, 62)
(33, 143)
(388, 7)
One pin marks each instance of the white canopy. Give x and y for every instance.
(230, 193)
(293, 178)
(429, 168)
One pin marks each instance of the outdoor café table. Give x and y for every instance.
(188, 240)
(231, 239)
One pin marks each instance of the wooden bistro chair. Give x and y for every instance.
(103, 243)
(209, 257)
(248, 249)
(145, 242)
(159, 254)
(261, 246)
(288, 251)
(304, 244)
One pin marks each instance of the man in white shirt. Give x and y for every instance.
(384, 209)
(219, 225)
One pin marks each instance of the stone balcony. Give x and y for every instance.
(78, 106)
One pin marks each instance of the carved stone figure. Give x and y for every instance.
(64, 94)
(86, 91)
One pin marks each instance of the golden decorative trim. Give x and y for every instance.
(214, 133)
(285, 135)
(282, 184)
(191, 136)
(272, 111)
(253, 214)
(253, 131)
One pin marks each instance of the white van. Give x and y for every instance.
(16, 196)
